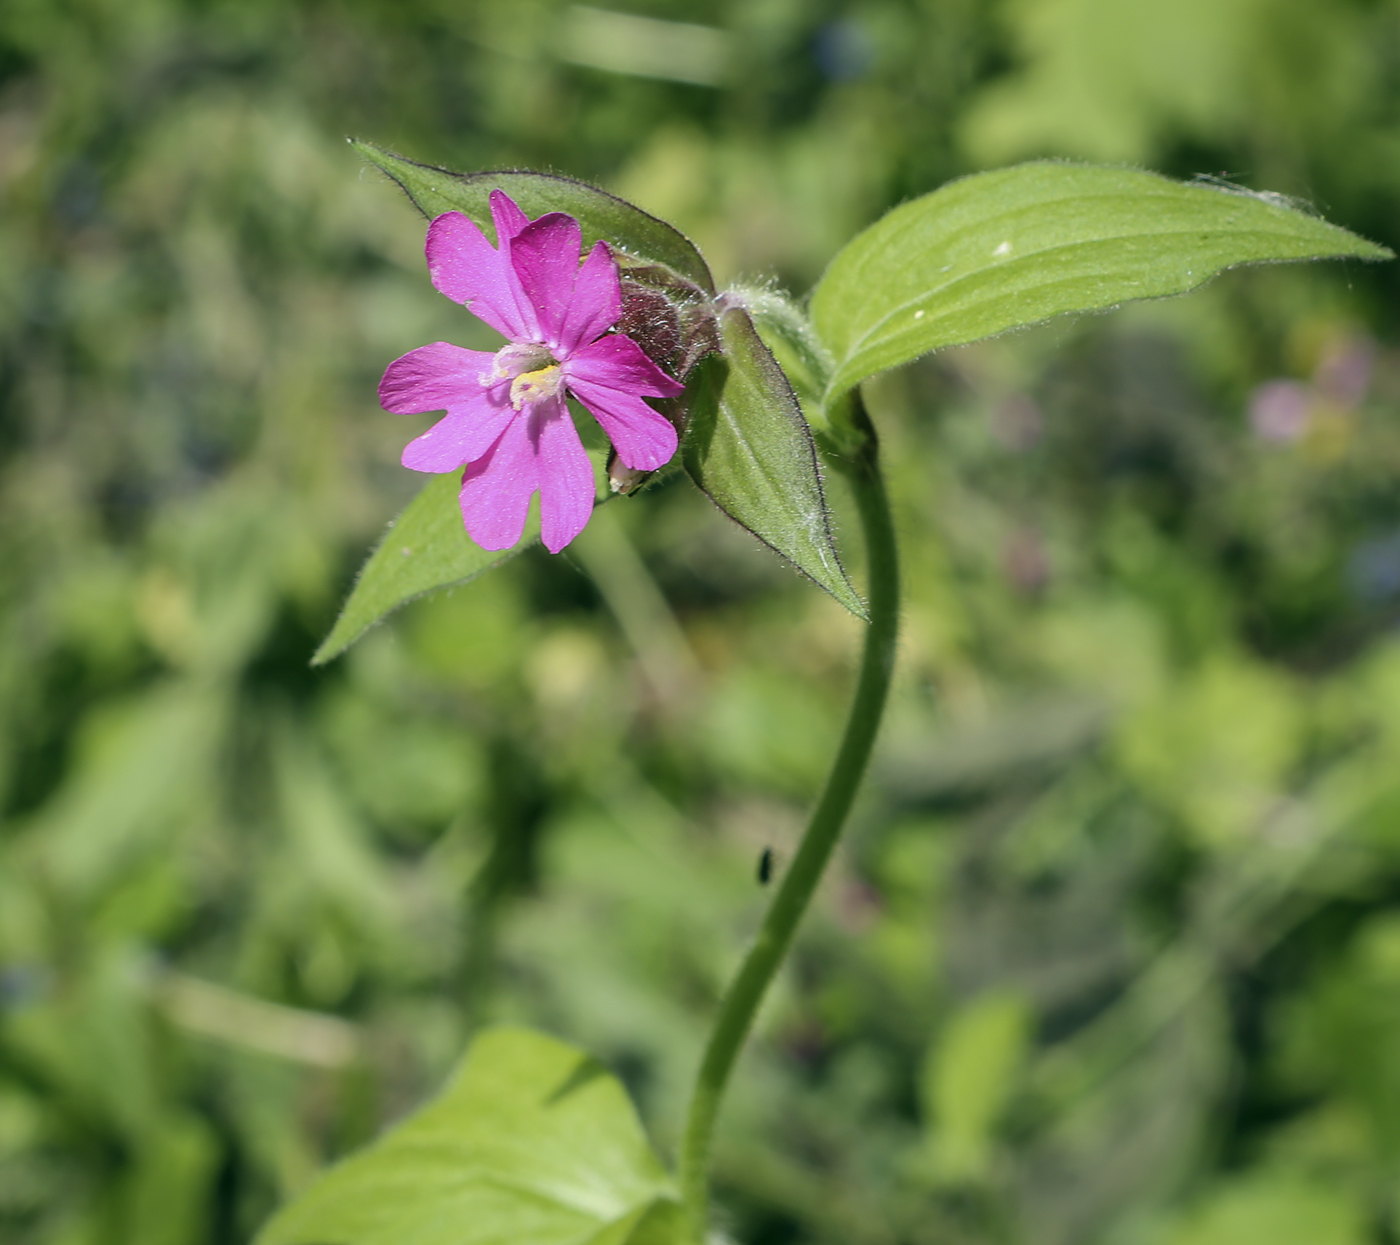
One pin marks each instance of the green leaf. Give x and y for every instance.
(633, 232)
(997, 251)
(968, 1080)
(748, 447)
(532, 1143)
(788, 334)
(426, 547)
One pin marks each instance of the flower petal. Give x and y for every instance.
(617, 362)
(566, 478)
(596, 304)
(643, 438)
(496, 488)
(466, 433)
(545, 255)
(506, 216)
(609, 376)
(433, 378)
(469, 270)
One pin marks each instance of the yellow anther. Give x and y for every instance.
(536, 386)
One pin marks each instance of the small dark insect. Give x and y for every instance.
(765, 867)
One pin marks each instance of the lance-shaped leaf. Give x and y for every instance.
(532, 1143)
(996, 251)
(626, 228)
(748, 447)
(426, 547)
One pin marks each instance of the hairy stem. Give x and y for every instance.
(746, 992)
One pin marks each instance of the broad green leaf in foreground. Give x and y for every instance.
(748, 447)
(629, 229)
(532, 1143)
(426, 547)
(996, 251)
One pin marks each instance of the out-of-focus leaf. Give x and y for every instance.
(169, 1183)
(1000, 250)
(1218, 746)
(749, 449)
(330, 852)
(661, 1222)
(426, 547)
(1275, 1208)
(1108, 81)
(602, 215)
(533, 1143)
(968, 1080)
(143, 776)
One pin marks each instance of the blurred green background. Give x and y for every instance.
(1113, 951)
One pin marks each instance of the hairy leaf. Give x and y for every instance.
(996, 251)
(628, 229)
(748, 447)
(532, 1143)
(426, 547)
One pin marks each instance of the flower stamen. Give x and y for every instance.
(517, 358)
(548, 382)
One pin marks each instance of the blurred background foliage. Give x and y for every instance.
(1113, 953)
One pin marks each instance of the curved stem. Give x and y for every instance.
(746, 992)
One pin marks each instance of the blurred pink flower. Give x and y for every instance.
(1279, 410)
(507, 421)
(1343, 374)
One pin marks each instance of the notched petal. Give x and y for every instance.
(566, 479)
(617, 362)
(497, 487)
(597, 302)
(466, 268)
(507, 216)
(643, 437)
(433, 378)
(545, 257)
(466, 433)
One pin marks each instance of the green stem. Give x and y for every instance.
(746, 992)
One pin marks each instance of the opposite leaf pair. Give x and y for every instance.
(991, 252)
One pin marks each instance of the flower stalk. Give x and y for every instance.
(746, 992)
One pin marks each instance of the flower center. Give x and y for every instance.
(519, 357)
(533, 372)
(536, 386)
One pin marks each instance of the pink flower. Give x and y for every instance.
(507, 421)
